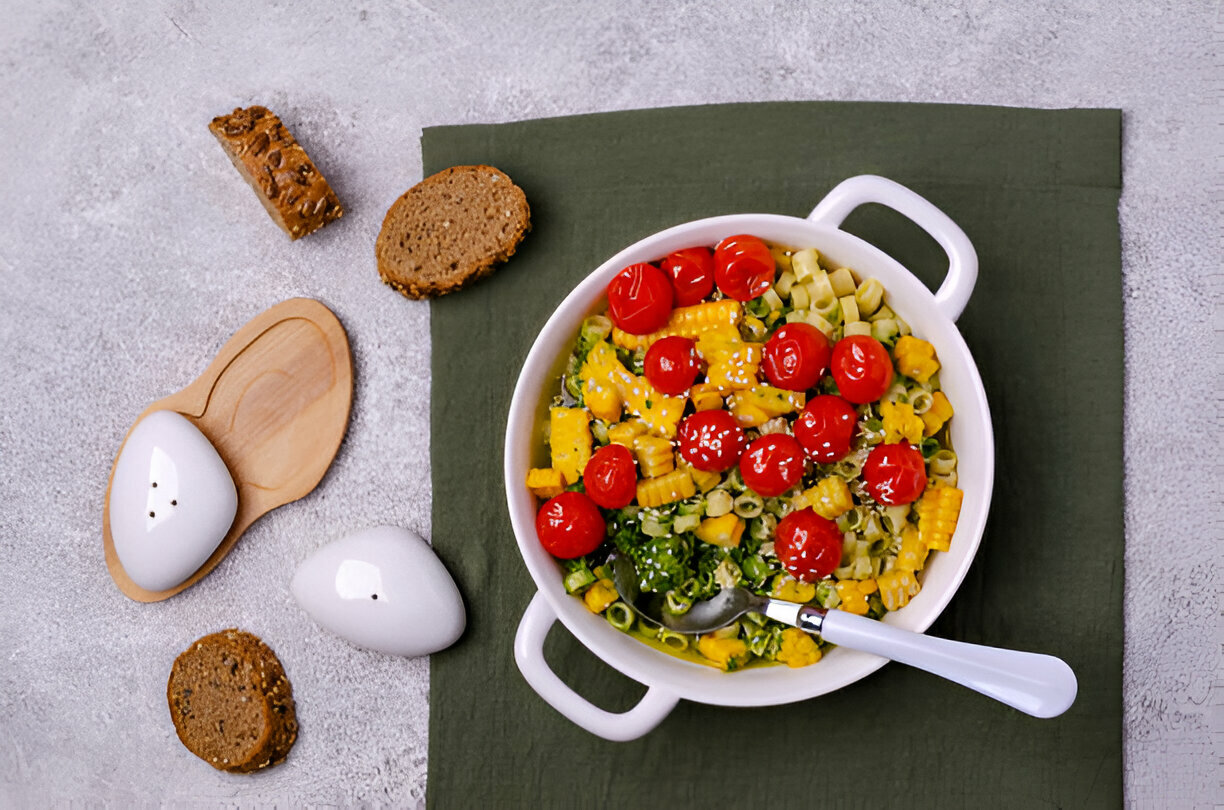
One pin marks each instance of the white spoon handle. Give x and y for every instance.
(1040, 685)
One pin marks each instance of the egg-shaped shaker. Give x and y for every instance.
(382, 588)
(172, 500)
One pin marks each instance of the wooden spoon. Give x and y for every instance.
(275, 404)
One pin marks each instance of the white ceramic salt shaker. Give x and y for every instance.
(172, 501)
(382, 588)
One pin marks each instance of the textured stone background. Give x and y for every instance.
(130, 250)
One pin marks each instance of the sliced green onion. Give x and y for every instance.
(620, 616)
(755, 568)
(599, 429)
(676, 602)
(676, 641)
(595, 328)
(686, 523)
(748, 505)
(826, 594)
(762, 528)
(693, 506)
(656, 525)
(578, 580)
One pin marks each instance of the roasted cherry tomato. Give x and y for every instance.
(772, 464)
(826, 427)
(895, 473)
(711, 440)
(671, 364)
(692, 274)
(640, 299)
(743, 267)
(796, 357)
(808, 545)
(862, 368)
(570, 525)
(610, 477)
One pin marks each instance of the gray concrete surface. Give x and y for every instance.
(130, 250)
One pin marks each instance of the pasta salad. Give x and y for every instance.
(749, 415)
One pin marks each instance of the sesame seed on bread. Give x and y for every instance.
(450, 230)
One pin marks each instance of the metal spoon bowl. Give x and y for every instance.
(1039, 685)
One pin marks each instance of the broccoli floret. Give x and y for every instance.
(662, 563)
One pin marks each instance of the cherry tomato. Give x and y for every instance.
(808, 545)
(826, 427)
(711, 440)
(743, 267)
(640, 299)
(862, 368)
(570, 525)
(671, 364)
(796, 357)
(610, 477)
(772, 464)
(895, 473)
(692, 274)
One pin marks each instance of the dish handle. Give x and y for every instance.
(655, 705)
(849, 194)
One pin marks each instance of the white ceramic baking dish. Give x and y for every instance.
(931, 316)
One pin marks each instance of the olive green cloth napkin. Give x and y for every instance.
(1037, 193)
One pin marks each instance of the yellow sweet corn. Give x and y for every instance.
(900, 422)
(724, 531)
(854, 595)
(570, 441)
(790, 589)
(706, 397)
(689, 322)
(705, 481)
(897, 587)
(830, 498)
(600, 595)
(602, 398)
(654, 456)
(732, 363)
(915, 358)
(798, 649)
(661, 414)
(938, 510)
(675, 486)
(727, 653)
(939, 413)
(753, 407)
(545, 483)
(913, 553)
(623, 433)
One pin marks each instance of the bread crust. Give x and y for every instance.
(233, 678)
(451, 230)
(275, 165)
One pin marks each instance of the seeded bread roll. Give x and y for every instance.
(231, 703)
(450, 230)
(287, 183)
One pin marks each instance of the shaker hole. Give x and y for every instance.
(151, 514)
(174, 503)
(374, 596)
(154, 485)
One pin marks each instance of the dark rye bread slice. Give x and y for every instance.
(276, 166)
(231, 703)
(450, 230)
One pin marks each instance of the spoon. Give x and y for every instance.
(1038, 685)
